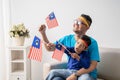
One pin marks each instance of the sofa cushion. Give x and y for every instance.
(109, 66)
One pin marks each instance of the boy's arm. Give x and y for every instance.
(49, 46)
(75, 56)
(70, 51)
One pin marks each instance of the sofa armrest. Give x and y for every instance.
(48, 66)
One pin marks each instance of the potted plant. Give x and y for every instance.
(19, 33)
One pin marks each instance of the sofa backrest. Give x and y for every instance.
(109, 66)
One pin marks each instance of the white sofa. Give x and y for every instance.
(108, 67)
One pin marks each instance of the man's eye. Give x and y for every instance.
(75, 22)
(79, 23)
(83, 23)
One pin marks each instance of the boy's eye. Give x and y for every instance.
(78, 42)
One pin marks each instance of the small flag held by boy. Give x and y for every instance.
(51, 21)
(58, 53)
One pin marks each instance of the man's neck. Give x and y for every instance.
(77, 36)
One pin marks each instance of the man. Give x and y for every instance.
(80, 27)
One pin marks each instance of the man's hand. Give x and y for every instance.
(42, 29)
(72, 77)
(50, 46)
(75, 56)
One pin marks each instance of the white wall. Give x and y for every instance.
(2, 47)
(105, 15)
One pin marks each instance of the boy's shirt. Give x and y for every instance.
(73, 63)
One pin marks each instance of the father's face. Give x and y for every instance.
(79, 27)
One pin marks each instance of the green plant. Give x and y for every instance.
(19, 31)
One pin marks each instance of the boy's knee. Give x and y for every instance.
(53, 72)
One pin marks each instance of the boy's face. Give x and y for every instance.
(79, 46)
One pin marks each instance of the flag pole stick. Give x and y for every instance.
(64, 47)
(60, 44)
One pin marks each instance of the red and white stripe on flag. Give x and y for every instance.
(35, 54)
(58, 54)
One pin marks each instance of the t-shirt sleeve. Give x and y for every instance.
(94, 52)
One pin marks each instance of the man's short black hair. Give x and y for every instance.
(88, 18)
(86, 39)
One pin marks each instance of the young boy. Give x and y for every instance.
(78, 57)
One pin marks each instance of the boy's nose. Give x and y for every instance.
(77, 48)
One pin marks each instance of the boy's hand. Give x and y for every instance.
(76, 56)
(42, 28)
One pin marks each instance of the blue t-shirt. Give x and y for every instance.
(75, 64)
(70, 41)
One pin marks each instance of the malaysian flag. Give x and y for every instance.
(36, 50)
(58, 53)
(51, 20)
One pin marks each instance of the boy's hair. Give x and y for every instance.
(88, 18)
(86, 39)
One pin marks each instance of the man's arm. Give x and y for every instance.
(49, 46)
(83, 71)
(93, 65)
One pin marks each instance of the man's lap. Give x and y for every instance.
(64, 73)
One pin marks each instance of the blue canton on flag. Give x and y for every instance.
(36, 42)
(58, 46)
(51, 16)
